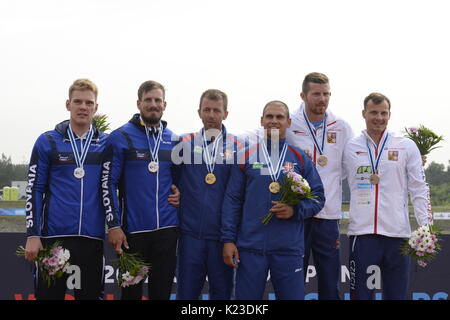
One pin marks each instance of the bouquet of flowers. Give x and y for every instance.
(423, 245)
(101, 122)
(293, 189)
(132, 269)
(52, 261)
(424, 138)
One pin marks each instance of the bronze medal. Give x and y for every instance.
(322, 160)
(374, 178)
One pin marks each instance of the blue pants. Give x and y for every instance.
(286, 273)
(198, 259)
(322, 239)
(367, 254)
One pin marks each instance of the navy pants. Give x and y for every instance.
(200, 258)
(286, 274)
(322, 240)
(376, 261)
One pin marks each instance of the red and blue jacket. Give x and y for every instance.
(248, 199)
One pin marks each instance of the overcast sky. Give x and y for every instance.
(255, 51)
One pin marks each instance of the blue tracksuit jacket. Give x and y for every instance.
(58, 204)
(201, 204)
(248, 200)
(141, 204)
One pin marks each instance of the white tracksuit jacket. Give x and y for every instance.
(383, 208)
(338, 132)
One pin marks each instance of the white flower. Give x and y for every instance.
(421, 247)
(127, 276)
(63, 256)
(423, 230)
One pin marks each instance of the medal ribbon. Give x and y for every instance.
(275, 174)
(80, 157)
(320, 148)
(211, 156)
(154, 152)
(377, 160)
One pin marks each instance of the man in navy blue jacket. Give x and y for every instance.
(253, 191)
(64, 197)
(207, 159)
(142, 170)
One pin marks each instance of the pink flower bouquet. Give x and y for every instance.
(52, 261)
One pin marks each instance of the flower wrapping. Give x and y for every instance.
(423, 245)
(424, 138)
(132, 269)
(294, 188)
(52, 261)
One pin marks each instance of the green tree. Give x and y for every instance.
(11, 172)
(437, 174)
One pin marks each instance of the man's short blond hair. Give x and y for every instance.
(82, 85)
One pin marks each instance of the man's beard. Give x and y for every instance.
(151, 120)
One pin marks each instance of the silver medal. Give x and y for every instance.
(78, 173)
(153, 166)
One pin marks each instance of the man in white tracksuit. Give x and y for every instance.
(323, 136)
(382, 168)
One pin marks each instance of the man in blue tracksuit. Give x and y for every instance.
(207, 159)
(142, 171)
(64, 197)
(253, 190)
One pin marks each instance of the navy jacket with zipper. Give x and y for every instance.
(248, 199)
(58, 203)
(201, 203)
(142, 202)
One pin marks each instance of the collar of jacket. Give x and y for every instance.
(62, 127)
(224, 132)
(136, 120)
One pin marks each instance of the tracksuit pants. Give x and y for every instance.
(87, 278)
(157, 248)
(286, 274)
(322, 240)
(371, 255)
(198, 258)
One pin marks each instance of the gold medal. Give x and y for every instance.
(274, 187)
(210, 178)
(374, 178)
(322, 160)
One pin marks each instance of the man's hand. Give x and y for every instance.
(32, 248)
(424, 160)
(230, 254)
(174, 198)
(116, 238)
(282, 210)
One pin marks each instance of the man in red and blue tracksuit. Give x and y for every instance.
(278, 247)
(207, 159)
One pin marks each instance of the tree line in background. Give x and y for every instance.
(11, 172)
(438, 177)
